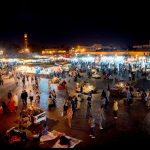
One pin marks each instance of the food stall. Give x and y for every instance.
(86, 88)
(119, 89)
(32, 115)
(95, 74)
(42, 69)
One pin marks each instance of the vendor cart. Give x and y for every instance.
(86, 88)
(119, 90)
(40, 117)
(32, 115)
(96, 76)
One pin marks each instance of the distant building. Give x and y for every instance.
(54, 52)
(111, 50)
(137, 46)
(92, 48)
(142, 47)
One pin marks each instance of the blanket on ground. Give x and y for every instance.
(73, 143)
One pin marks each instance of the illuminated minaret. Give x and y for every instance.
(25, 41)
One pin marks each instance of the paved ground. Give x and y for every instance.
(132, 126)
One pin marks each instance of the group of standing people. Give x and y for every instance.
(12, 103)
(13, 99)
(71, 105)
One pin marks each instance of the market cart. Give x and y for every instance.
(119, 90)
(32, 115)
(95, 74)
(86, 88)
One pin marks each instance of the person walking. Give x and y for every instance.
(108, 95)
(37, 97)
(78, 102)
(24, 96)
(65, 107)
(104, 99)
(89, 100)
(103, 94)
(143, 96)
(23, 81)
(4, 107)
(73, 104)
(11, 105)
(31, 96)
(81, 89)
(69, 115)
(53, 94)
(16, 101)
(101, 116)
(103, 102)
(129, 97)
(92, 126)
(130, 76)
(115, 109)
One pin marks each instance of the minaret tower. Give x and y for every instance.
(25, 41)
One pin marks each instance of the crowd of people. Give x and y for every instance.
(73, 104)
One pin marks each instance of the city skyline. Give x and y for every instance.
(57, 24)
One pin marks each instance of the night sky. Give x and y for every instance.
(70, 23)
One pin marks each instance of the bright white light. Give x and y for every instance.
(112, 59)
(75, 59)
